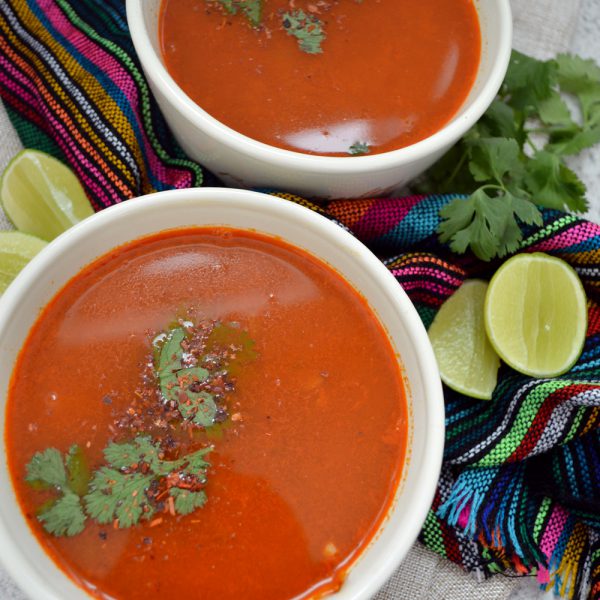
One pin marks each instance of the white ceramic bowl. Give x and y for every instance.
(243, 162)
(67, 255)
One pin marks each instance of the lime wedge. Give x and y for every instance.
(536, 314)
(467, 361)
(41, 196)
(16, 250)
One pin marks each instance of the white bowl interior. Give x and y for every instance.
(491, 16)
(66, 256)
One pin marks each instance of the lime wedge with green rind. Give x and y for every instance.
(536, 314)
(16, 250)
(467, 362)
(42, 196)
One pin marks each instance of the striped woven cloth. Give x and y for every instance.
(520, 487)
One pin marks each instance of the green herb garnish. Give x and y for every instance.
(135, 483)
(67, 478)
(514, 157)
(359, 148)
(138, 480)
(178, 384)
(251, 9)
(307, 29)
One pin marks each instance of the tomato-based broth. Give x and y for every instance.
(281, 378)
(331, 77)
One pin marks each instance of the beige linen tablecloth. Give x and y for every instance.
(542, 28)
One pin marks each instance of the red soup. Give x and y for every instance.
(331, 77)
(206, 413)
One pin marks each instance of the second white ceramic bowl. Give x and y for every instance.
(243, 162)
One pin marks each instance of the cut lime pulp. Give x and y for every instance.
(41, 196)
(16, 250)
(467, 361)
(536, 314)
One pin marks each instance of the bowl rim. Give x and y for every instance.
(11, 554)
(215, 129)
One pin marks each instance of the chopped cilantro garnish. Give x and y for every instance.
(137, 480)
(179, 384)
(137, 477)
(307, 29)
(131, 487)
(188, 387)
(513, 159)
(359, 148)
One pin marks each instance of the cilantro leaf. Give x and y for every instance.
(191, 464)
(581, 78)
(200, 408)
(500, 120)
(306, 28)
(121, 491)
(118, 496)
(196, 406)
(171, 352)
(252, 9)
(528, 81)
(187, 502)
(554, 111)
(46, 470)
(64, 516)
(573, 141)
(486, 224)
(553, 185)
(493, 158)
(359, 148)
(128, 454)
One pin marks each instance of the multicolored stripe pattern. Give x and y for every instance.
(73, 87)
(520, 487)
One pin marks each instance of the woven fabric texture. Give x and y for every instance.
(521, 476)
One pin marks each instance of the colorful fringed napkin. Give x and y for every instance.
(520, 487)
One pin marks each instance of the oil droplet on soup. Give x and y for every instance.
(390, 72)
(306, 464)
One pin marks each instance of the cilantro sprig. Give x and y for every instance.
(513, 160)
(135, 482)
